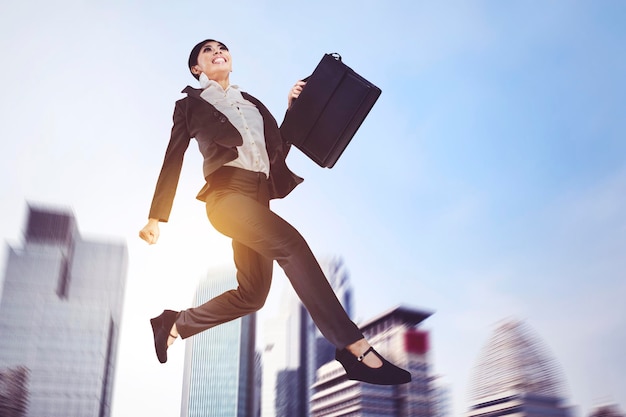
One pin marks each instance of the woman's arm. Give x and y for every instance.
(168, 178)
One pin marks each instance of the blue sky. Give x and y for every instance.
(487, 182)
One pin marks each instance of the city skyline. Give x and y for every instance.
(487, 182)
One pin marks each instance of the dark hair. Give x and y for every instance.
(193, 56)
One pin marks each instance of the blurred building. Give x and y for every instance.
(220, 363)
(441, 397)
(284, 346)
(607, 410)
(396, 336)
(60, 313)
(516, 376)
(13, 392)
(294, 348)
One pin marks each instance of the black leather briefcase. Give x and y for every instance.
(333, 104)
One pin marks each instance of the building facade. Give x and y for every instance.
(13, 392)
(61, 306)
(219, 375)
(515, 376)
(285, 347)
(441, 397)
(395, 334)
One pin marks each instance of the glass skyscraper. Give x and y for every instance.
(284, 377)
(516, 376)
(60, 313)
(219, 374)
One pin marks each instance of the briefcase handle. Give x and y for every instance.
(336, 56)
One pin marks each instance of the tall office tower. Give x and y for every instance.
(219, 371)
(258, 382)
(59, 316)
(395, 334)
(284, 347)
(294, 348)
(441, 398)
(515, 376)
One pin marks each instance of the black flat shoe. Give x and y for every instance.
(161, 327)
(388, 374)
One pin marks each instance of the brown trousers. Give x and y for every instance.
(238, 207)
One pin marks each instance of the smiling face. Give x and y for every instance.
(214, 61)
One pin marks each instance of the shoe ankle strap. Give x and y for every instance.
(360, 358)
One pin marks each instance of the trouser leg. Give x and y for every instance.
(238, 212)
(254, 277)
(255, 226)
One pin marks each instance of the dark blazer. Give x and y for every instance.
(217, 140)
